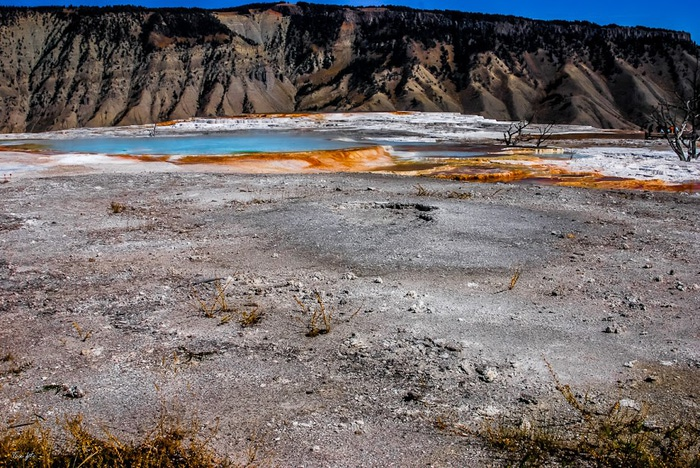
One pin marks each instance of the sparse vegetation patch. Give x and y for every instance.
(117, 207)
(316, 317)
(170, 443)
(212, 302)
(10, 366)
(82, 333)
(622, 435)
(423, 192)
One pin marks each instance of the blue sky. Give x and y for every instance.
(683, 15)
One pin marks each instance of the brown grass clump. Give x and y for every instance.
(617, 437)
(248, 318)
(10, 366)
(213, 303)
(117, 207)
(216, 302)
(82, 333)
(168, 444)
(318, 319)
(423, 192)
(514, 279)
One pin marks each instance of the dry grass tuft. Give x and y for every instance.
(10, 366)
(168, 444)
(459, 195)
(248, 318)
(82, 333)
(218, 305)
(617, 437)
(317, 318)
(423, 192)
(117, 207)
(514, 279)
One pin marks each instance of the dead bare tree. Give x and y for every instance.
(679, 121)
(514, 134)
(544, 133)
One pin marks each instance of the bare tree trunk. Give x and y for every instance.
(543, 134)
(679, 121)
(514, 134)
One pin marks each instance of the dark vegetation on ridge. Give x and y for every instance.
(89, 66)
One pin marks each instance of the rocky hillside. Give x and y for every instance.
(63, 68)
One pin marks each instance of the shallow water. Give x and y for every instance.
(247, 143)
(220, 144)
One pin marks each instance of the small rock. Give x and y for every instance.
(315, 448)
(666, 363)
(439, 342)
(378, 280)
(357, 426)
(275, 255)
(95, 352)
(613, 329)
(627, 403)
(411, 396)
(453, 346)
(350, 276)
(630, 364)
(680, 286)
(527, 399)
(489, 411)
(625, 246)
(525, 425)
(487, 374)
(652, 378)
(412, 294)
(73, 392)
(356, 342)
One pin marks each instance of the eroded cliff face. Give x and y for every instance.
(62, 68)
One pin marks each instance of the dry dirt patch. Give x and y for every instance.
(426, 322)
